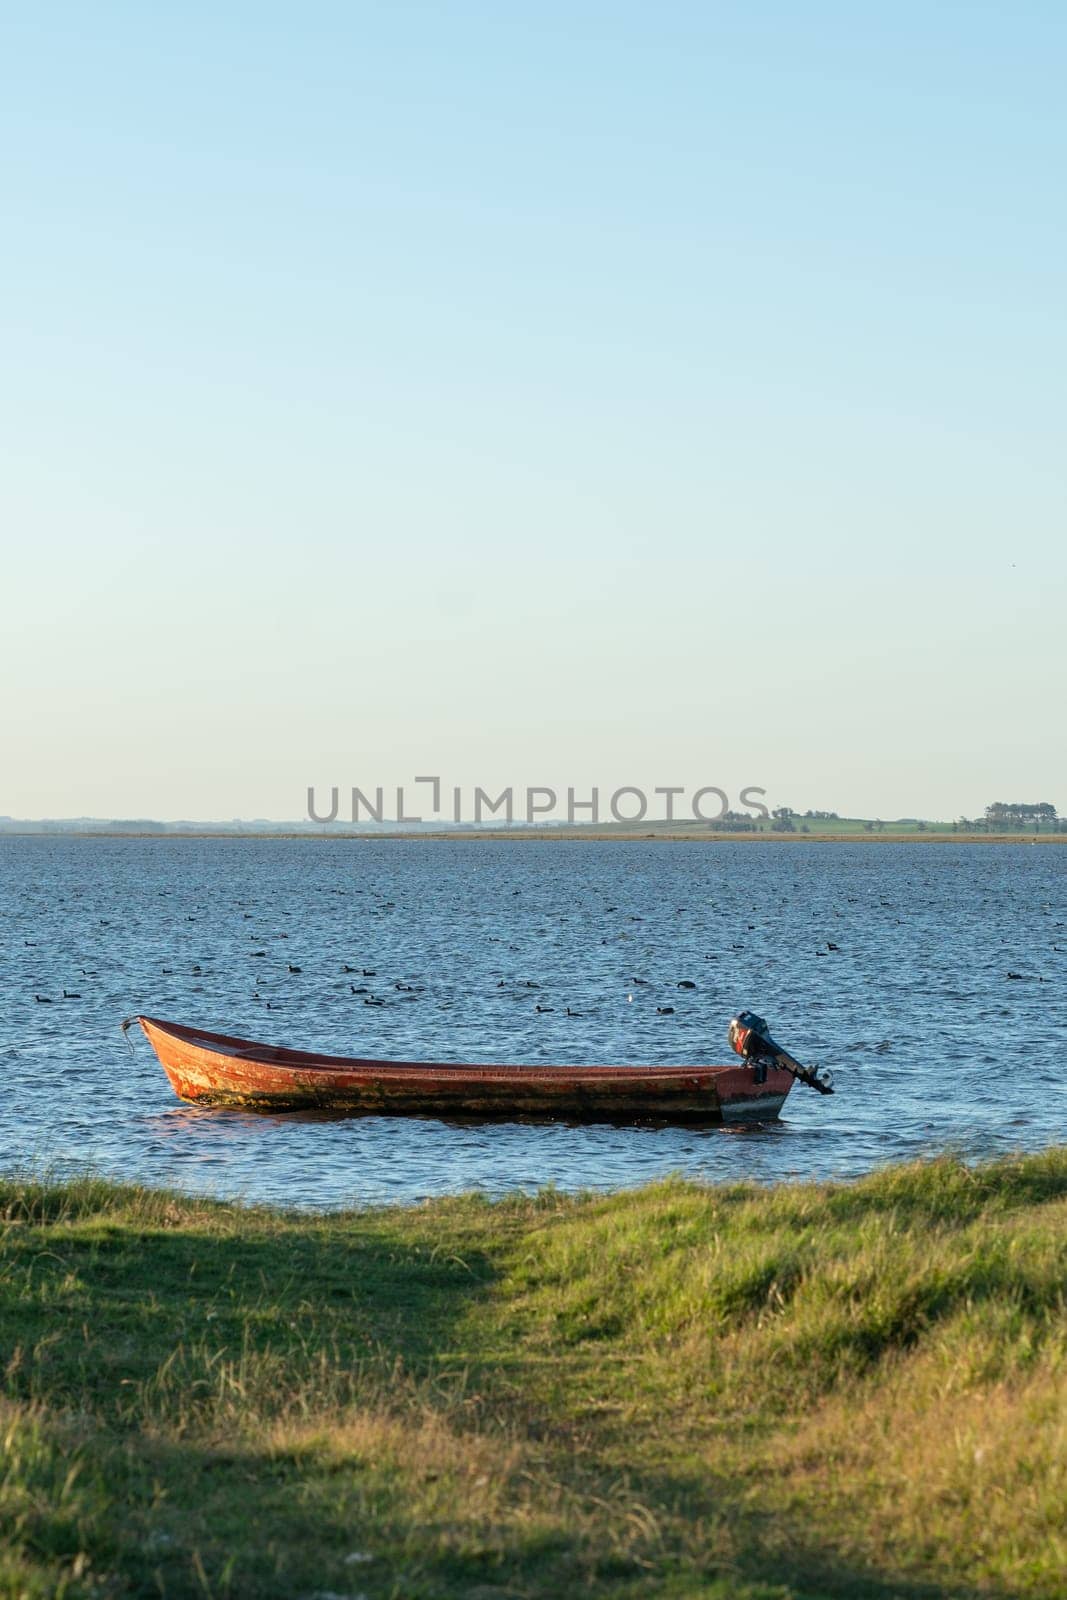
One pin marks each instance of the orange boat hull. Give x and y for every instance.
(214, 1069)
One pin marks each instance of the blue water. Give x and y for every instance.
(933, 1046)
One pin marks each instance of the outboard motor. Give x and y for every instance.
(751, 1038)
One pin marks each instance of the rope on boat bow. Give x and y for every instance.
(126, 1024)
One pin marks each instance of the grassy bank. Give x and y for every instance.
(729, 1392)
(665, 832)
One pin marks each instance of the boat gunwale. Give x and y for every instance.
(276, 1057)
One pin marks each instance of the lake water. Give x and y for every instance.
(933, 1046)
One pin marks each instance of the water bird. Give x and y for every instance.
(544, 1008)
(69, 994)
(42, 1000)
(368, 973)
(1021, 977)
(292, 968)
(346, 968)
(640, 982)
(31, 944)
(257, 953)
(571, 1013)
(198, 971)
(665, 1011)
(166, 971)
(373, 1000)
(685, 983)
(831, 946)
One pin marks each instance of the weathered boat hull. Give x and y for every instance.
(213, 1069)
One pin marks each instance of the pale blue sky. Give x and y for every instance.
(559, 393)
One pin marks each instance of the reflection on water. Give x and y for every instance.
(889, 963)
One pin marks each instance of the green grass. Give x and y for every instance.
(850, 1391)
(847, 829)
(905, 828)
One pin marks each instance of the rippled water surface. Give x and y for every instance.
(933, 1045)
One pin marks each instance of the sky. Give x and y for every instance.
(572, 394)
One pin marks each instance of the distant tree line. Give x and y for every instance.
(1014, 816)
(736, 822)
(785, 820)
(1000, 817)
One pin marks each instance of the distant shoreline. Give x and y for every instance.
(591, 834)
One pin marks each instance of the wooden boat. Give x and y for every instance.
(216, 1069)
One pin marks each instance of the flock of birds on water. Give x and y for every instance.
(518, 988)
(407, 990)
